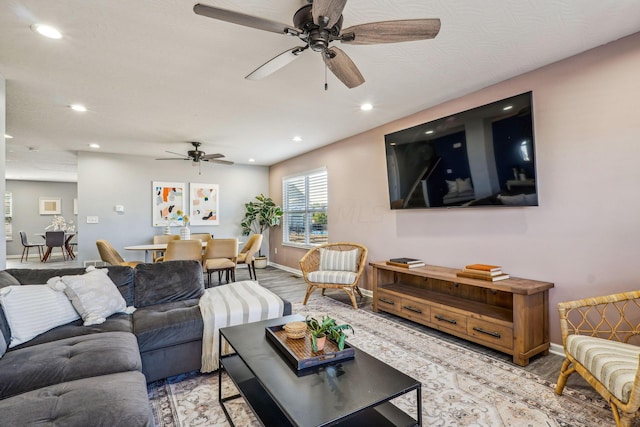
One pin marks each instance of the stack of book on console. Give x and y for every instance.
(406, 262)
(492, 273)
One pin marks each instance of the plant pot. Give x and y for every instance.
(320, 342)
(260, 262)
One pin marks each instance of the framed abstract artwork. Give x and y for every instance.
(167, 199)
(204, 204)
(49, 205)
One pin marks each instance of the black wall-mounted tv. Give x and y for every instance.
(480, 157)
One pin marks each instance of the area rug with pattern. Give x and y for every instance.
(460, 387)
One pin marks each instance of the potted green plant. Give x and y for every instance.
(324, 328)
(259, 216)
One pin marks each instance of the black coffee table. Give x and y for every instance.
(353, 392)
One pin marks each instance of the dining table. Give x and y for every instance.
(151, 247)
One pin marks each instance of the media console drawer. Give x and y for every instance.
(476, 310)
(490, 332)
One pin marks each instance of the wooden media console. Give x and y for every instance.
(511, 316)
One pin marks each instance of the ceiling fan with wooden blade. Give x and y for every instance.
(196, 156)
(318, 24)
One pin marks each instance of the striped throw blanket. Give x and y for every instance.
(229, 305)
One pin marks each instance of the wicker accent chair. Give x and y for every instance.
(597, 335)
(109, 254)
(334, 266)
(182, 250)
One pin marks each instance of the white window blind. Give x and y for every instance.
(8, 215)
(305, 202)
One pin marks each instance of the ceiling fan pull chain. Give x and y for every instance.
(326, 85)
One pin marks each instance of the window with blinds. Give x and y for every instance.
(8, 215)
(305, 201)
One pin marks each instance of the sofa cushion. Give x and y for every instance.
(3, 345)
(33, 309)
(7, 279)
(115, 323)
(93, 294)
(168, 324)
(109, 400)
(168, 281)
(67, 360)
(122, 276)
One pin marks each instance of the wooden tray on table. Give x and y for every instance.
(299, 351)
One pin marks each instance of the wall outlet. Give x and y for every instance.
(92, 220)
(275, 250)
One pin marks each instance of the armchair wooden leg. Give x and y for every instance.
(565, 371)
(352, 296)
(358, 290)
(310, 289)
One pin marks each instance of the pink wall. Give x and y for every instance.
(584, 236)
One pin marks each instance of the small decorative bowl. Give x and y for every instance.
(295, 330)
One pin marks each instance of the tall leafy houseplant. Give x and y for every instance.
(260, 215)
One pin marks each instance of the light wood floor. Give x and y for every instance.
(293, 288)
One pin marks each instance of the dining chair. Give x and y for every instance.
(109, 254)
(162, 238)
(182, 250)
(54, 239)
(26, 245)
(205, 237)
(246, 255)
(220, 255)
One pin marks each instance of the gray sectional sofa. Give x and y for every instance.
(76, 375)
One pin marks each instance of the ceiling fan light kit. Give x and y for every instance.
(196, 156)
(318, 24)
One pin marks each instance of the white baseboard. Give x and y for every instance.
(285, 268)
(556, 349)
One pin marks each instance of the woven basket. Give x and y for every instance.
(295, 330)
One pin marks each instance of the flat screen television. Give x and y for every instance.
(480, 157)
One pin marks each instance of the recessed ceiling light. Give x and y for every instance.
(429, 132)
(47, 31)
(296, 138)
(252, 160)
(7, 136)
(78, 107)
(508, 107)
(94, 145)
(366, 107)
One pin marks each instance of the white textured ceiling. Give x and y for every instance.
(155, 75)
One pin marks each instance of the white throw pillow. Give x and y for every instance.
(338, 260)
(33, 309)
(93, 294)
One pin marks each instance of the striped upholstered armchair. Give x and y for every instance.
(334, 266)
(599, 336)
